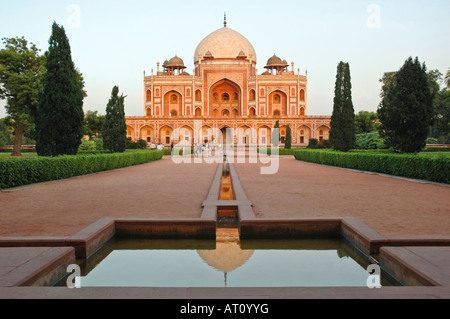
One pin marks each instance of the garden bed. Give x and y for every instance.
(23, 171)
(430, 168)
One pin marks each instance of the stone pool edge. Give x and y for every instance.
(394, 254)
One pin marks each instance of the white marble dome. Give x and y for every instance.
(225, 43)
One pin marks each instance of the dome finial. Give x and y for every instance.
(225, 20)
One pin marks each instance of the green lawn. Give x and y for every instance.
(24, 154)
(435, 154)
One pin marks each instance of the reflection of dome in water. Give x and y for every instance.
(227, 257)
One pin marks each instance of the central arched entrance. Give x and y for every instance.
(225, 99)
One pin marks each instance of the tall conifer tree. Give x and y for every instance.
(59, 117)
(288, 142)
(406, 110)
(115, 127)
(342, 133)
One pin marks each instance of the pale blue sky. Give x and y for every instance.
(113, 42)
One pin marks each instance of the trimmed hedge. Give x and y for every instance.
(281, 151)
(23, 150)
(410, 166)
(23, 171)
(437, 149)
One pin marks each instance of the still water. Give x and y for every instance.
(228, 263)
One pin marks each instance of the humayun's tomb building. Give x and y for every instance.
(224, 92)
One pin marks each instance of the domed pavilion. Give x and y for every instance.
(225, 91)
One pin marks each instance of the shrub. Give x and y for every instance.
(313, 143)
(369, 141)
(139, 145)
(87, 145)
(436, 169)
(22, 171)
(324, 144)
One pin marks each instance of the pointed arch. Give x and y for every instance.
(198, 95)
(252, 95)
(147, 133)
(225, 94)
(185, 135)
(323, 133)
(244, 135)
(302, 95)
(130, 132)
(173, 101)
(304, 134)
(302, 111)
(165, 134)
(264, 135)
(278, 101)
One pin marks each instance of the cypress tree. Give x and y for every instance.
(59, 117)
(115, 129)
(342, 133)
(287, 143)
(406, 110)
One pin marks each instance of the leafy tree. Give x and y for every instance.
(276, 138)
(366, 122)
(115, 128)
(59, 117)
(434, 82)
(22, 69)
(388, 81)
(6, 132)
(287, 143)
(447, 79)
(441, 120)
(406, 109)
(342, 133)
(93, 124)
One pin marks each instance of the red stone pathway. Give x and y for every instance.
(391, 206)
(63, 208)
(167, 190)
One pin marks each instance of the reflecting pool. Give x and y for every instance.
(228, 262)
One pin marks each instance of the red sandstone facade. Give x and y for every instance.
(225, 91)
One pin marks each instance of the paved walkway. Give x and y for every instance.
(391, 206)
(159, 189)
(166, 190)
